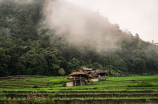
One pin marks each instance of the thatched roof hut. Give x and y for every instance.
(79, 77)
(78, 72)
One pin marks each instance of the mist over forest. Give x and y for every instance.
(55, 37)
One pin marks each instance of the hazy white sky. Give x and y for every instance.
(138, 16)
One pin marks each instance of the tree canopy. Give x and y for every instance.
(27, 46)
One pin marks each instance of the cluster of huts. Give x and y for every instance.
(85, 75)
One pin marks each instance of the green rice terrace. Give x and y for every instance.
(24, 89)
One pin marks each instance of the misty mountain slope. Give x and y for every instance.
(43, 37)
(81, 26)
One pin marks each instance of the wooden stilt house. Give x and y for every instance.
(78, 78)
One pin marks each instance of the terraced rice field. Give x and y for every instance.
(115, 90)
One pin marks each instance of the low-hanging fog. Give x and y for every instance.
(81, 26)
(138, 16)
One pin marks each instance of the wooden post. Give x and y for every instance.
(75, 81)
(80, 81)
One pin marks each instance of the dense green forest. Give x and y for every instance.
(28, 47)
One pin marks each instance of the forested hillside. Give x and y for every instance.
(29, 47)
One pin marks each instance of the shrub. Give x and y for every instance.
(61, 71)
(64, 85)
(113, 73)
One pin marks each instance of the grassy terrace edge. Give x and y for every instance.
(114, 89)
